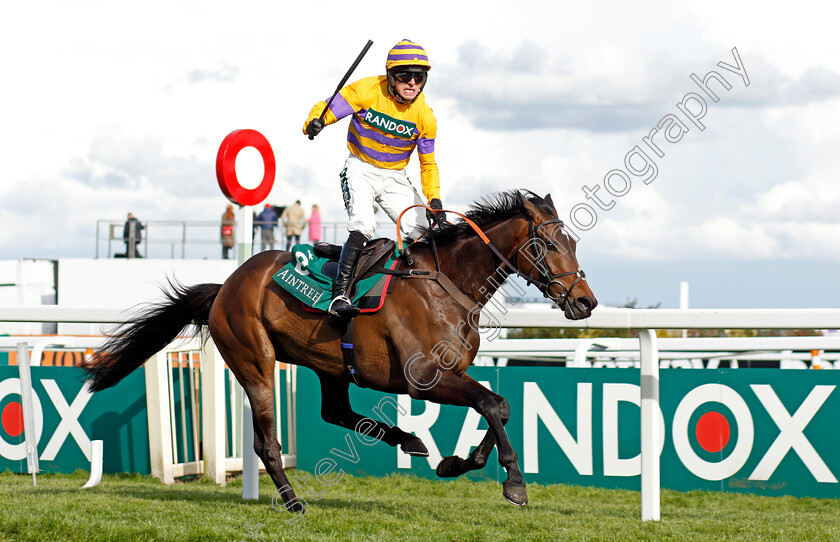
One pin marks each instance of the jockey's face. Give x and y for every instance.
(408, 91)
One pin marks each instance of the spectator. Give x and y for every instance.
(294, 220)
(228, 221)
(132, 235)
(314, 225)
(267, 220)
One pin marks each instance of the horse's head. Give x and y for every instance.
(547, 258)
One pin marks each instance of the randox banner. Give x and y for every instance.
(68, 418)
(764, 431)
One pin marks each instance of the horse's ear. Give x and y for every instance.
(550, 202)
(529, 207)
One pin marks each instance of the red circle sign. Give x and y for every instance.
(13, 419)
(712, 431)
(226, 167)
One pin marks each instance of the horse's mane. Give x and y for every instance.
(489, 209)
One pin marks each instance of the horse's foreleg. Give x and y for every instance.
(459, 390)
(336, 409)
(452, 466)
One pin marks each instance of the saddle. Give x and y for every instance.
(375, 252)
(309, 276)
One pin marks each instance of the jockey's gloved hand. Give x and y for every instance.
(314, 128)
(435, 218)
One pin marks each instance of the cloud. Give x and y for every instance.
(118, 160)
(224, 74)
(608, 89)
(807, 200)
(769, 87)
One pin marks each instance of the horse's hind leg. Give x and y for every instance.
(257, 378)
(266, 444)
(336, 409)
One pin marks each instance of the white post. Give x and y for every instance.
(245, 234)
(213, 412)
(649, 381)
(29, 429)
(160, 421)
(95, 464)
(250, 469)
(684, 302)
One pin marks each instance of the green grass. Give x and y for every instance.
(398, 507)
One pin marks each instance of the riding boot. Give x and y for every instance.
(341, 305)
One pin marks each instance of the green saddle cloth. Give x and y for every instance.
(305, 279)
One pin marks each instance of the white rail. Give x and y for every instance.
(609, 351)
(645, 320)
(611, 318)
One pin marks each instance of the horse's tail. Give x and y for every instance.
(134, 342)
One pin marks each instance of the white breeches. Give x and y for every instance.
(363, 183)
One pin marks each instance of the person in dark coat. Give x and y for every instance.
(132, 235)
(267, 220)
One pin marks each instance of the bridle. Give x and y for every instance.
(545, 279)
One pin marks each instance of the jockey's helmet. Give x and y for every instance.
(405, 57)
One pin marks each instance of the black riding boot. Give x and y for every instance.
(350, 253)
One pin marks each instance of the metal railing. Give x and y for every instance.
(201, 239)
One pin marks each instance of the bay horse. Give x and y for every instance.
(421, 342)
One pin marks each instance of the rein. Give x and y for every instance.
(533, 235)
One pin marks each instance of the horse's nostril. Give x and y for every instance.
(586, 303)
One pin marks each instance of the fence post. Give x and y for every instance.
(250, 469)
(213, 412)
(649, 381)
(30, 429)
(160, 422)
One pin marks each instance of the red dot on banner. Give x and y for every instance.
(712, 431)
(13, 419)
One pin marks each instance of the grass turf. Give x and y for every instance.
(397, 507)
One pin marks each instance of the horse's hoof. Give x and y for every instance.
(296, 507)
(515, 493)
(285, 499)
(414, 447)
(450, 467)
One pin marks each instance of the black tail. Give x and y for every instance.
(132, 343)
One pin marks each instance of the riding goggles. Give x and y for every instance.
(405, 77)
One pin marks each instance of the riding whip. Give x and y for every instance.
(344, 80)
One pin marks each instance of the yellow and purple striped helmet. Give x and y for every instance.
(407, 53)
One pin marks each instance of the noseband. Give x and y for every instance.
(545, 279)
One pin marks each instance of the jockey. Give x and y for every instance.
(390, 119)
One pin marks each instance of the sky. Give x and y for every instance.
(110, 107)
